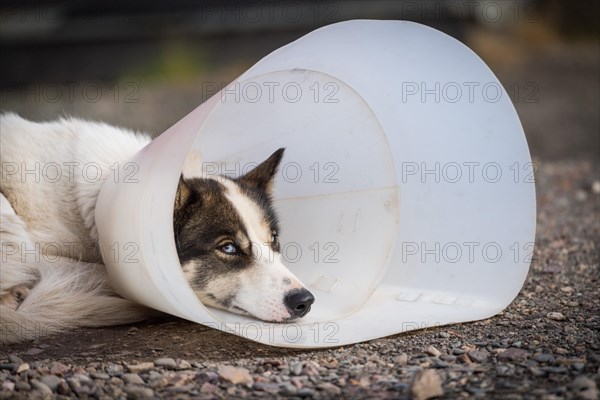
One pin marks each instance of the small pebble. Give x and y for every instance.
(183, 364)
(75, 385)
(544, 358)
(560, 350)
(137, 368)
(167, 363)
(82, 378)
(448, 357)
(432, 351)
(296, 368)
(288, 389)
(306, 392)
(21, 368)
(266, 387)
(100, 375)
(51, 381)
(63, 388)
(132, 379)
(555, 316)
(513, 354)
(584, 388)
(478, 356)
(464, 359)
(9, 366)
(208, 388)
(310, 368)
(401, 360)
(22, 386)
(236, 375)
(426, 384)
(596, 187)
(206, 376)
(138, 392)
(12, 358)
(114, 369)
(58, 369)
(42, 387)
(329, 388)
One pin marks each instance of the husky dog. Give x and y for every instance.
(52, 277)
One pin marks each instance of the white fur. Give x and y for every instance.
(61, 211)
(48, 236)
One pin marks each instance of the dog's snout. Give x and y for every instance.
(298, 302)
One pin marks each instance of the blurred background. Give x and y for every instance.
(146, 64)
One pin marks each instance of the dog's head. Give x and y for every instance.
(226, 233)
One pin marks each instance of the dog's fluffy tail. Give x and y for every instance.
(67, 295)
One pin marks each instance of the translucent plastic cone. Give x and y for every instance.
(405, 195)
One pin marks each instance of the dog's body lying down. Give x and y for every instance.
(52, 277)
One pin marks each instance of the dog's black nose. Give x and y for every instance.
(298, 302)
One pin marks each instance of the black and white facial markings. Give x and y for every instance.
(226, 232)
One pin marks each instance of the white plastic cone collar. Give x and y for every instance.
(404, 196)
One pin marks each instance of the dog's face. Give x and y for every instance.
(226, 233)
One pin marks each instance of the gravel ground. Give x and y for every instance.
(544, 345)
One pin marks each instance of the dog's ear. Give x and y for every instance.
(183, 194)
(263, 175)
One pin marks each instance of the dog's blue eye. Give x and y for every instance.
(229, 248)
